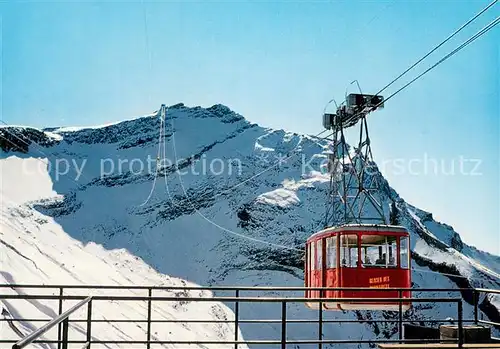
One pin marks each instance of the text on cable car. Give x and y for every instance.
(379, 282)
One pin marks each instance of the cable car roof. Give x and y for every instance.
(360, 227)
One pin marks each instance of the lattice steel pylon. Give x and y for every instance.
(354, 192)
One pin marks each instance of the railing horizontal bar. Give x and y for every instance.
(22, 319)
(334, 321)
(238, 299)
(42, 297)
(291, 321)
(241, 288)
(487, 290)
(44, 341)
(241, 321)
(298, 341)
(489, 323)
(366, 321)
(35, 334)
(250, 342)
(361, 341)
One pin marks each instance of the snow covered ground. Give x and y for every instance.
(228, 219)
(35, 249)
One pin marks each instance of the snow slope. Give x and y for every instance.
(35, 249)
(239, 222)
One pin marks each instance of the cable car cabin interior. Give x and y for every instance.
(358, 256)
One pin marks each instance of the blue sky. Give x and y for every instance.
(277, 63)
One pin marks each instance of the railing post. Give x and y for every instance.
(476, 304)
(236, 318)
(89, 323)
(59, 328)
(148, 344)
(400, 322)
(320, 324)
(283, 324)
(65, 328)
(460, 324)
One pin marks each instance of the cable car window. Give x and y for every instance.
(371, 250)
(319, 254)
(405, 260)
(378, 251)
(349, 250)
(312, 256)
(392, 250)
(331, 252)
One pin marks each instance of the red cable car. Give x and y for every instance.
(361, 256)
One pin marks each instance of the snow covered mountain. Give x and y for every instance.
(232, 204)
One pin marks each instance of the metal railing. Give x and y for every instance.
(477, 293)
(62, 318)
(63, 321)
